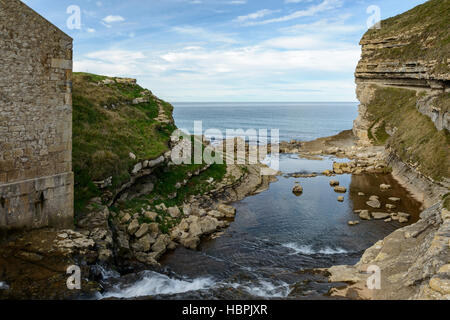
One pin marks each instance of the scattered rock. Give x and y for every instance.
(216, 214)
(229, 211)
(353, 223)
(125, 218)
(151, 215)
(361, 194)
(143, 230)
(374, 204)
(334, 183)
(388, 220)
(133, 227)
(385, 187)
(365, 215)
(174, 212)
(132, 155)
(380, 215)
(341, 199)
(393, 199)
(298, 189)
(390, 206)
(340, 189)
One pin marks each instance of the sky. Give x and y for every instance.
(223, 50)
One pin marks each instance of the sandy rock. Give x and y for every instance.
(374, 204)
(298, 189)
(125, 218)
(229, 211)
(390, 206)
(216, 214)
(133, 227)
(394, 199)
(385, 187)
(340, 199)
(380, 215)
(174, 212)
(150, 215)
(191, 242)
(340, 189)
(142, 231)
(365, 215)
(334, 183)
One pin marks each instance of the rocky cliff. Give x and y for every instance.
(403, 84)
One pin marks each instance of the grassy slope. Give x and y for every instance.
(426, 29)
(103, 138)
(416, 139)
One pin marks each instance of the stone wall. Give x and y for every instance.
(36, 179)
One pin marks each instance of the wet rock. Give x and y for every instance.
(353, 223)
(159, 247)
(191, 242)
(209, 225)
(380, 215)
(341, 199)
(297, 190)
(216, 214)
(229, 211)
(340, 189)
(374, 204)
(334, 183)
(104, 255)
(365, 215)
(388, 220)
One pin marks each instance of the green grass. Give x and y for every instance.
(425, 28)
(446, 199)
(416, 139)
(104, 137)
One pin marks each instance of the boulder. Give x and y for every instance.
(353, 223)
(216, 214)
(125, 218)
(229, 211)
(133, 227)
(334, 183)
(385, 187)
(153, 228)
(374, 204)
(150, 215)
(404, 215)
(142, 231)
(209, 225)
(394, 199)
(380, 215)
(298, 189)
(340, 189)
(365, 215)
(402, 220)
(340, 199)
(160, 245)
(191, 242)
(143, 244)
(390, 206)
(361, 194)
(174, 212)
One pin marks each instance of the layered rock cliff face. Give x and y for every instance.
(403, 84)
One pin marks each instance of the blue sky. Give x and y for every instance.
(224, 50)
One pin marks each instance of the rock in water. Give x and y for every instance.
(341, 199)
(298, 189)
(365, 215)
(353, 223)
(374, 204)
(380, 215)
(340, 189)
(334, 183)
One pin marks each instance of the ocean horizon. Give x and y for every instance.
(295, 120)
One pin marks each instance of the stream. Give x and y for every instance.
(275, 241)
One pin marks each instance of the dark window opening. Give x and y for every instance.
(2, 202)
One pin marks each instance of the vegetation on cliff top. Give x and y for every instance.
(107, 127)
(414, 137)
(424, 29)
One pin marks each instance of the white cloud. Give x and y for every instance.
(255, 15)
(112, 19)
(238, 2)
(90, 30)
(204, 34)
(311, 11)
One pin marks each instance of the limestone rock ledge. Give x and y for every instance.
(414, 263)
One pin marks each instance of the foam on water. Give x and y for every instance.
(3, 286)
(153, 283)
(265, 289)
(308, 250)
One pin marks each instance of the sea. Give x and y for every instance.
(302, 121)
